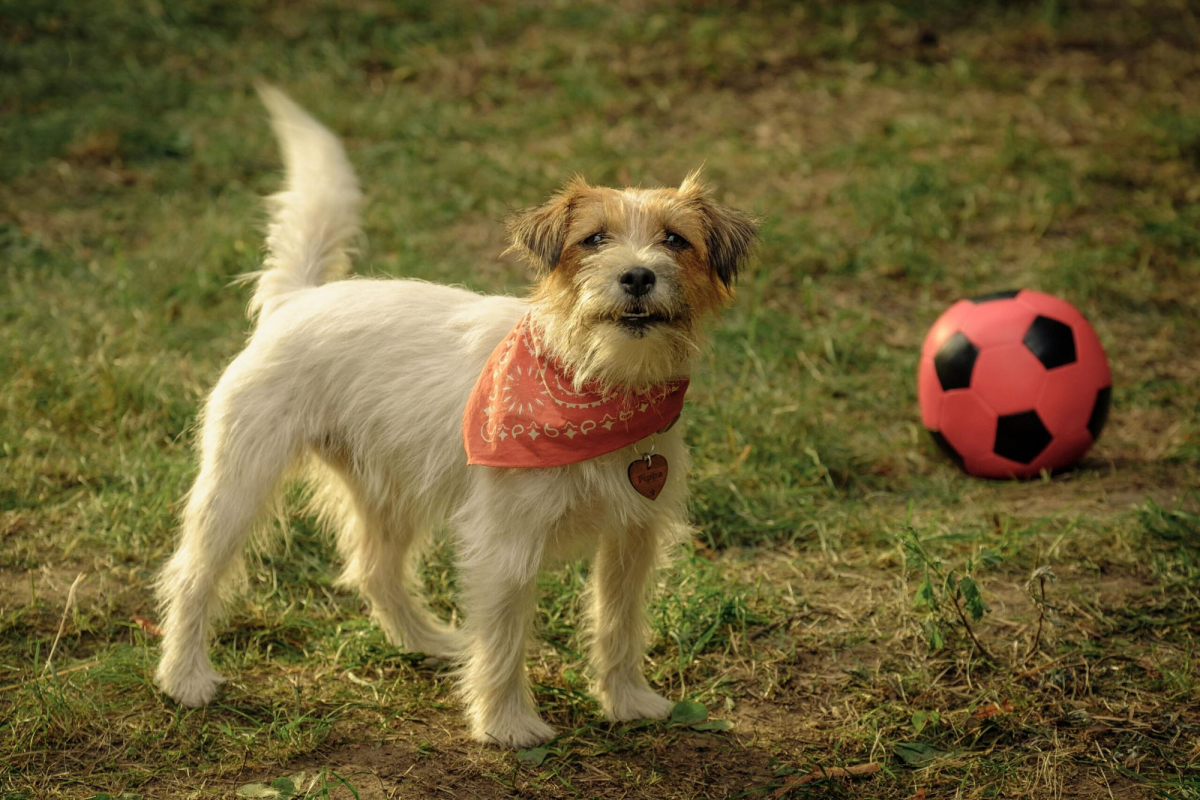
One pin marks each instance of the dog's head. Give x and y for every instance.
(627, 276)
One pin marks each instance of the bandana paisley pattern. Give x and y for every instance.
(525, 411)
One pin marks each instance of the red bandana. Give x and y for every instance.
(524, 411)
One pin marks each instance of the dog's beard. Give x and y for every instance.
(633, 345)
(637, 324)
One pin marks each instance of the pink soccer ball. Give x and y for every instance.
(1013, 383)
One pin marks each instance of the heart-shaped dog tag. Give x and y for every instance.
(648, 476)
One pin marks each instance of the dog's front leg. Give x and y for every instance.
(498, 594)
(623, 565)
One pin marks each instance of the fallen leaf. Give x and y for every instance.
(689, 712)
(916, 754)
(922, 718)
(285, 786)
(533, 756)
(148, 627)
(713, 725)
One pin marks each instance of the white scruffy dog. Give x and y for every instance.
(365, 382)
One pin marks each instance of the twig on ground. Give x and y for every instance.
(1029, 673)
(983, 651)
(856, 771)
(765, 629)
(60, 672)
(1037, 636)
(1041, 574)
(63, 622)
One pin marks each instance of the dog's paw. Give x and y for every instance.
(514, 732)
(189, 687)
(635, 702)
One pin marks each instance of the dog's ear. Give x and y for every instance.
(538, 234)
(729, 234)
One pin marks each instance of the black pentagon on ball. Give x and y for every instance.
(954, 362)
(1008, 295)
(947, 448)
(1051, 341)
(1021, 437)
(1099, 412)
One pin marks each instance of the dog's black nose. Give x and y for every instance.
(638, 281)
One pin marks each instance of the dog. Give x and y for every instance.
(384, 390)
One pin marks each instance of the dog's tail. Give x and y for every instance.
(315, 217)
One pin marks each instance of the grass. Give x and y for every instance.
(903, 155)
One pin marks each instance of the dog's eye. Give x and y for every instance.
(675, 241)
(595, 240)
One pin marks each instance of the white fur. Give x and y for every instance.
(365, 381)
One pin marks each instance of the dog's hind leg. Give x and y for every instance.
(380, 549)
(244, 452)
